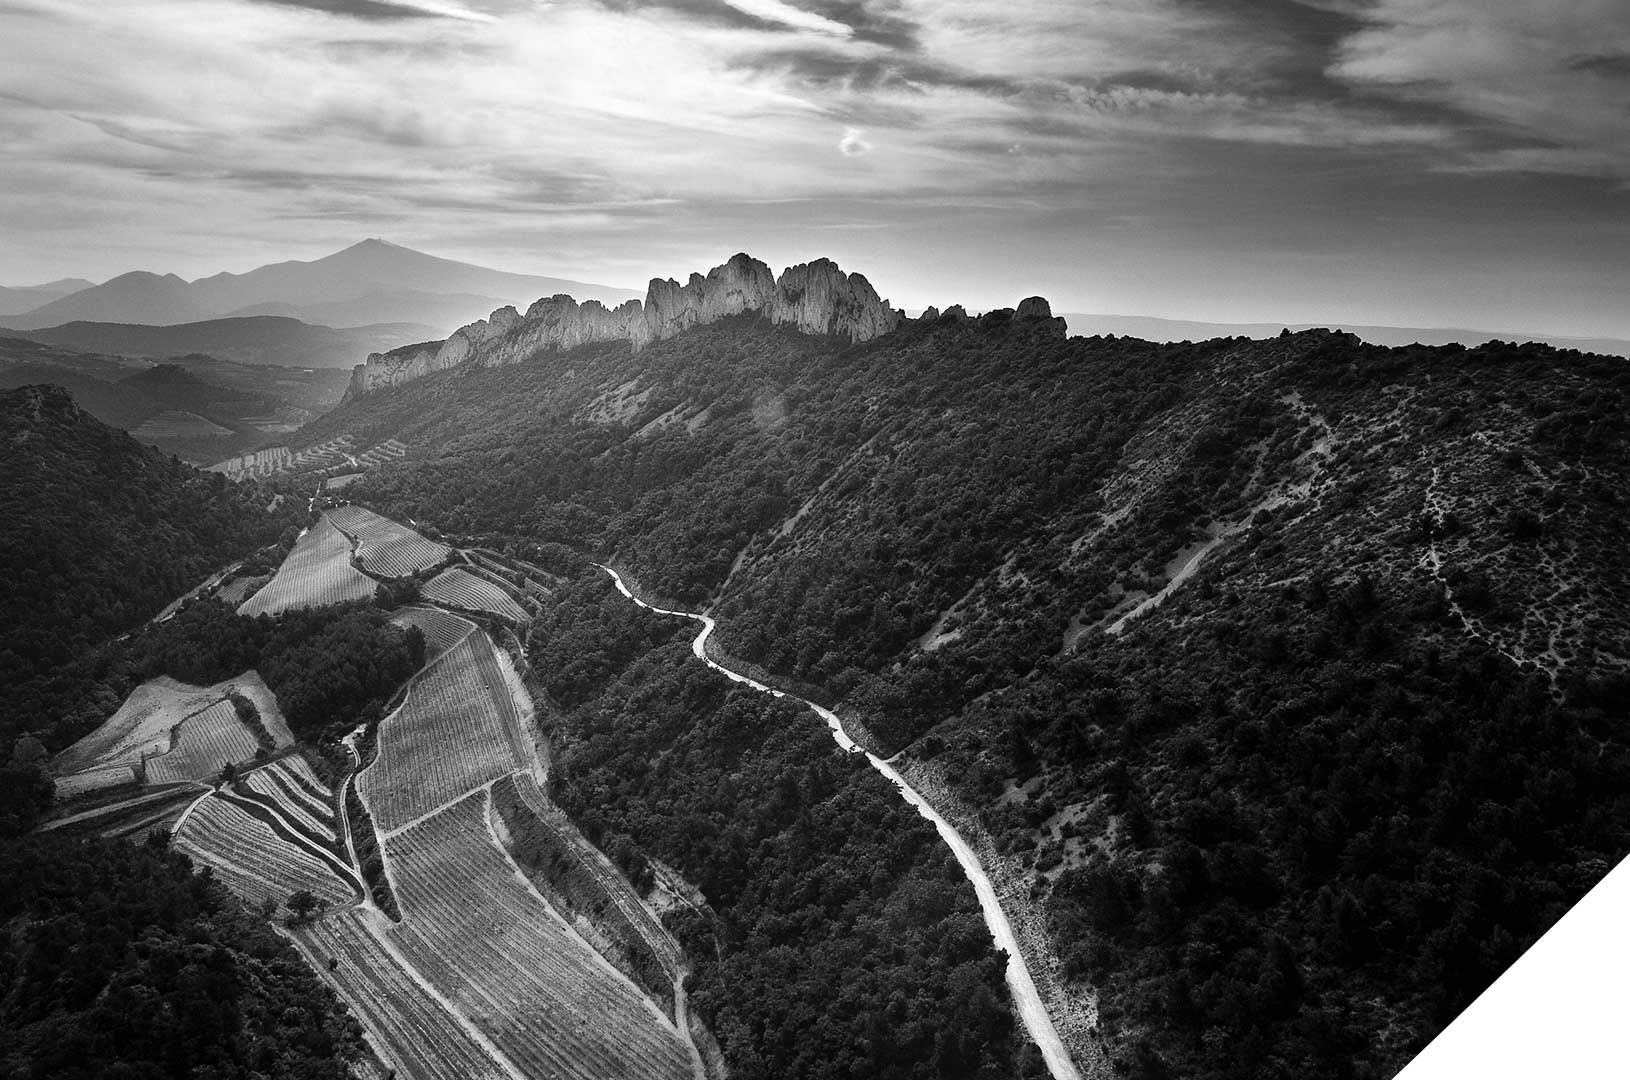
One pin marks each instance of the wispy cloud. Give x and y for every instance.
(1548, 76)
(577, 126)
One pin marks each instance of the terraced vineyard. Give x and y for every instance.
(303, 804)
(251, 859)
(481, 936)
(317, 572)
(442, 629)
(204, 742)
(389, 450)
(324, 455)
(454, 733)
(415, 1032)
(457, 587)
(384, 547)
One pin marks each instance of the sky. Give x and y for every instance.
(1402, 162)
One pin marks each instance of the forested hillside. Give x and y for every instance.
(118, 960)
(1289, 675)
(100, 533)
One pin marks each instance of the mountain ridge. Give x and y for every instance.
(370, 268)
(816, 297)
(1152, 328)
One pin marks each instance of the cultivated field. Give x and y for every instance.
(317, 572)
(175, 424)
(252, 860)
(141, 727)
(384, 547)
(253, 687)
(97, 779)
(145, 727)
(204, 742)
(455, 732)
(120, 816)
(326, 455)
(389, 450)
(482, 937)
(412, 1029)
(442, 629)
(457, 587)
(307, 806)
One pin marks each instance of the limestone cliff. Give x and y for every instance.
(815, 297)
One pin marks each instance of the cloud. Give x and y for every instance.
(853, 144)
(1545, 77)
(612, 134)
(387, 9)
(775, 11)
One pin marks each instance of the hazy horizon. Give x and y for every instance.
(1387, 162)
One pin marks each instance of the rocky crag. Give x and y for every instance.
(815, 297)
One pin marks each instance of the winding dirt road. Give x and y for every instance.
(1025, 996)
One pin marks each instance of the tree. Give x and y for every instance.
(303, 903)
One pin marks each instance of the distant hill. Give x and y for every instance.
(16, 299)
(373, 281)
(231, 407)
(111, 530)
(180, 388)
(260, 339)
(1171, 330)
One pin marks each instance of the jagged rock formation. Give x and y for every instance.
(815, 297)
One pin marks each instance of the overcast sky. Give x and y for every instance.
(1415, 162)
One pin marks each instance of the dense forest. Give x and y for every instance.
(839, 938)
(118, 960)
(1289, 820)
(329, 667)
(98, 533)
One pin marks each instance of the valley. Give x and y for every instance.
(537, 998)
(1095, 633)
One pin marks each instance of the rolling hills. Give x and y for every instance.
(259, 339)
(1279, 675)
(195, 406)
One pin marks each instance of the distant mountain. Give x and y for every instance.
(367, 282)
(180, 388)
(430, 310)
(1170, 330)
(16, 299)
(134, 297)
(260, 339)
